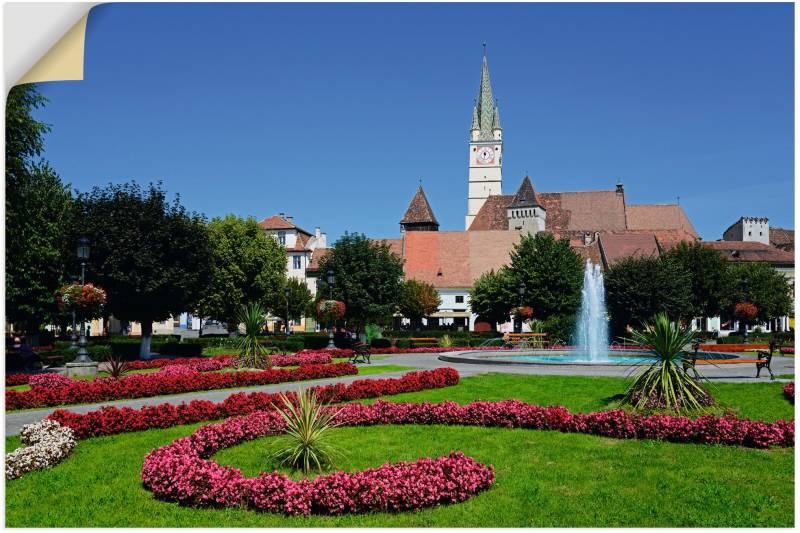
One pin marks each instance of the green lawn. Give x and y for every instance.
(543, 478)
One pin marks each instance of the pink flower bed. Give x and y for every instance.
(49, 381)
(788, 391)
(111, 420)
(155, 384)
(787, 350)
(181, 472)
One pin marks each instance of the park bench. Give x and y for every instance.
(527, 340)
(50, 361)
(764, 359)
(427, 342)
(361, 353)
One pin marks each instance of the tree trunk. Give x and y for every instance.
(147, 336)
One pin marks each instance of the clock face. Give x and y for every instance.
(485, 155)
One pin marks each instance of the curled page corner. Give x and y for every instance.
(64, 61)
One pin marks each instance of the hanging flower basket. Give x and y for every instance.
(331, 310)
(523, 312)
(86, 299)
(745, 311)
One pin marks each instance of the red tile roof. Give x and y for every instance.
(751, 252)
(278, 222)
(659, 217)
(615, 247)
(316, 257)
(419, 210)
(782, 238)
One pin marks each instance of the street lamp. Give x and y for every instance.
(74, 337)
(83, 255)
(518, 320)
(746, 291)
(331, 280)
(286, 297)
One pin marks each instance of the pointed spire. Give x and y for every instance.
(485, 108)
(475, 123)
(496, 121)
(526, 196)
(419, 214)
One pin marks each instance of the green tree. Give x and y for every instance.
(552, 273)
(247, 267)
(38, 208)
(368, 278)
(709, 278)
(299, 299)
(152, 256)
(767, 288)
(491, 297)
(637, 288)
(418, 299)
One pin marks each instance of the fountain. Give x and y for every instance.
(591, 330)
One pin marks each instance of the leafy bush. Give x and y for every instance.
(307, 445)
(381, 343)
(372, 331)
(125, 350)
(181, 349)
(403, 343)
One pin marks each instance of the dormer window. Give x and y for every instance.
(282, 238)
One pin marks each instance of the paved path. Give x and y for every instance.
(743, 373)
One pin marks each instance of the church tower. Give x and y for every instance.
(485, 148)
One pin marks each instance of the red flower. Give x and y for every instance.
(745, 311)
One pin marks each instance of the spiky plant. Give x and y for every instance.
(252, 354)
(306, 445)
(445, 341)
(116, 367)
(665, 383)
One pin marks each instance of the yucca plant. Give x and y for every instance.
(117, 367)
(252, 354)
(665, 383)
(445, 341)
(306, 445)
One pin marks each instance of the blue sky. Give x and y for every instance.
(332, 113)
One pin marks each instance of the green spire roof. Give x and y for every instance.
(488, 116)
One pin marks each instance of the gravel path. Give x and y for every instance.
(743, 373)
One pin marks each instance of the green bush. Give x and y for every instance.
(181, 350)
(559, 328)
(125, 350)
(403, 343)
(381, 343)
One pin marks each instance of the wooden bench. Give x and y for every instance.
(52, 360)
(361, 353)
(525, 340)
(425, 342)
(763, 361)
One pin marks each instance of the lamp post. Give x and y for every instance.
(746, 291)
(74, 336)
(518, 320)
(83, 255)
(331, 280)
(286, 297)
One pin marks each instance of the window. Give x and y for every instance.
(460, 299)
(282, 238)
(296, 262)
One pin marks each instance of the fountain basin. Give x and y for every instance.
(561, 357)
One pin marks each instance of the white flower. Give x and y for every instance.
(47, 444)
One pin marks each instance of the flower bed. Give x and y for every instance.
(46, 443)
(111, 420)
(50, 381)
(181, 472)
(155, 384)
(616, 423)
(788, 391)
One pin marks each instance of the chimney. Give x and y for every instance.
(587, 239)
(281, 214)
(620, 188)
(317, 232)
(290, 219)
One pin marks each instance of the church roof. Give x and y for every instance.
(659, 216)
(488, 117)
(525, 197)
(419, 210)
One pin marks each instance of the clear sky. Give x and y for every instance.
(332, 113)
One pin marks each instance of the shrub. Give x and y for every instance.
(306, 446)
(117, 367)
(403, 344)
(381, 343)
(788, 391)
(251, 352)
(125, 350)
(445, 341)
(181, 349)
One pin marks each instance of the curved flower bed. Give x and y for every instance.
(182, 472)
(111, 420)
(143, 385)
(47, 443)
(13, 380)
(788, 391)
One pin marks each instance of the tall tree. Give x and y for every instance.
(247, 267)
(767, 288)
(37, 213)
(298, 299)
(152, 256)
(637, 288)
(551, 272)
(368, 277)
(418, 299)
(709, 278)
(492, 297)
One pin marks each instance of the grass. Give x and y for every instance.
(544, 479)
